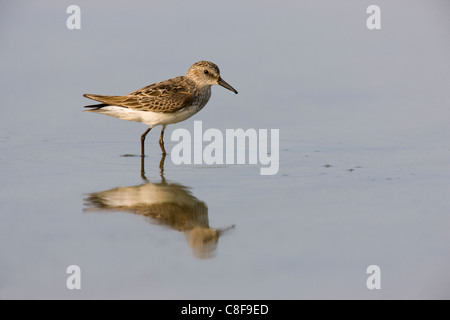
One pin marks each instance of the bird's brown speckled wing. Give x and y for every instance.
(167, 96)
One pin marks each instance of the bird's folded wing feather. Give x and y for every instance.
(167, 97)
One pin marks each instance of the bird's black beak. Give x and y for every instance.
(226, 85)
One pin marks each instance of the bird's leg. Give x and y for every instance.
(161, 141)
(161, 168)
(143, 140)
(143, 176)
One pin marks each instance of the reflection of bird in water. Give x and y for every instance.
(164, 203)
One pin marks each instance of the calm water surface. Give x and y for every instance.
(364, 170)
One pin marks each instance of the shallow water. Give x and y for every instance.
(364, 173)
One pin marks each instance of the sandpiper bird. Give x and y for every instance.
(165, 102)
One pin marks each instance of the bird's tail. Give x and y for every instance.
(94, 107)
(97, 106)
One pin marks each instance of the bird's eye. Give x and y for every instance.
(206, 71)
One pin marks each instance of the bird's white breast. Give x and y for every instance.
(148, 117)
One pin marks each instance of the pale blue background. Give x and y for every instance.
(376, 102)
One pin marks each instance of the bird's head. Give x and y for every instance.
(206, 73)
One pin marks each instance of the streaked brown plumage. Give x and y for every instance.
(166, 96)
